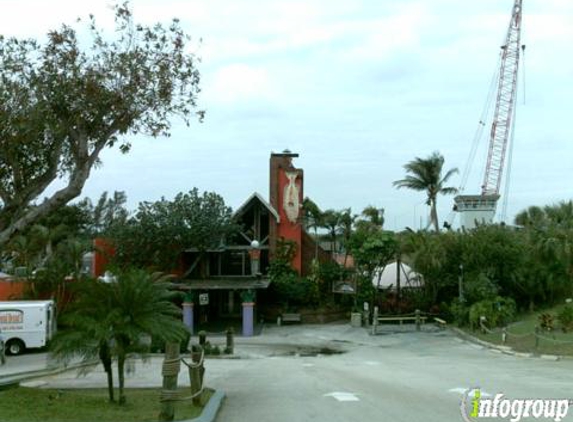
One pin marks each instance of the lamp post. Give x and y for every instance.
(461, 283)
(255, 255)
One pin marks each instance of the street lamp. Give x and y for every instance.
(255, 255)
(460, 283)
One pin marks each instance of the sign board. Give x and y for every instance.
(204, 299)
(11, 320)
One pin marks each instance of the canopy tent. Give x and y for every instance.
(385, 277)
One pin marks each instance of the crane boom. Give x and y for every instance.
(480, 209)
(504, 105)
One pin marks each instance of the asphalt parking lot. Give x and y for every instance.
(338, 373)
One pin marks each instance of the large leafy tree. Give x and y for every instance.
(108, 212)
(110, 320)
(425, 175)
(63, 102)
(159, 231)
(374, 250)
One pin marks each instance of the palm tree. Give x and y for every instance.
(109, 321)
(345, 228)
(425, 174)
(87, 331)
(312, 220)
(331, 222)
(374, 216)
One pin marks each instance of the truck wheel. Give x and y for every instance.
(15, 347)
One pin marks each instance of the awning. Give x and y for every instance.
(224, 284)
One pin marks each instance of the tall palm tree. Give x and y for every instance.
(425, 174)
(312, 220)
(345, 228)
(331, 222)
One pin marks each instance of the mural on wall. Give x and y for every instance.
(291, 202)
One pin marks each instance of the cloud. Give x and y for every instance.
(240, 82)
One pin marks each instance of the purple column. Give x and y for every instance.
(188, 316)
(248, 328)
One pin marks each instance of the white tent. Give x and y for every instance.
(385, 278)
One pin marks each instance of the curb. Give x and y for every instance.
(8, 380)
(506, 350)
(211, 408)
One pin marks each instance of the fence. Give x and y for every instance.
(536, 340)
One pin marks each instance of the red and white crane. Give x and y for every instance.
(481, 208)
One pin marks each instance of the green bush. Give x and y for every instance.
(460, 312)
(294, 291)
(498, 311)
(546, 321)
(565, 317)
(479, 287)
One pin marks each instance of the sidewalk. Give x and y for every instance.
(32, 365)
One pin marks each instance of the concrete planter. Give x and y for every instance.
(356, 319)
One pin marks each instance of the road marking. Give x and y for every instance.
(371, 363)
(460, 390)
(308, 365)
(341, 396)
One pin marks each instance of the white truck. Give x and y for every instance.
(27, 324)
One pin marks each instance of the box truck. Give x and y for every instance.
(27, 324)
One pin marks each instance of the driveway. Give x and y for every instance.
(338, 373)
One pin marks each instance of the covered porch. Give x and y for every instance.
(216, 303)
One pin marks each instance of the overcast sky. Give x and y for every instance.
(357, 88)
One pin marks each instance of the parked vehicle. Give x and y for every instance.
(27, 324)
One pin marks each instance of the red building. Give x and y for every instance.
(223, 275)
(223, 278)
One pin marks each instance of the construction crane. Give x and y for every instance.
(481, 208)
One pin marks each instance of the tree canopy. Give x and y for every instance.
(64, 101)
(159, 231)
(425, 174)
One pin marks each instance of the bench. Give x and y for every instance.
(402, 319)
(291, 317)
(441, 323)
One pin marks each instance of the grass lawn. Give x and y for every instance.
(522, 339)
(82, 405)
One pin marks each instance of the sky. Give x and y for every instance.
(357, 88)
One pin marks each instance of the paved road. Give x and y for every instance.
(28, 362)
(393, 377)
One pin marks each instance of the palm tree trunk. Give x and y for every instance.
(434, 215)
(121, 374)
(109, 372)
(315, 242)
(105, 357)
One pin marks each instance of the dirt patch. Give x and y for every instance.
(308, 351)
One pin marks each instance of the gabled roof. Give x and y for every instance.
(256, 196)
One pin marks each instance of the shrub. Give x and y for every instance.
(565, 317)
(478, 288)
(546, 321)
(294, 291)
(460, 312)
(497, 311)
